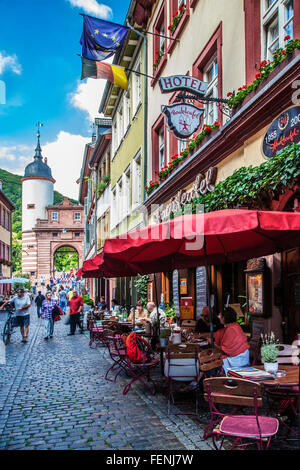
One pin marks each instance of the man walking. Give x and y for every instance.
(38, 301)
(76, 304)
(22, 302)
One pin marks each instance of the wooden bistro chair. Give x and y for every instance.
(244, 429)
(210, 362)
(181, 365)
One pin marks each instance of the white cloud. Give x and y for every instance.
(87, 97)
(10, 62)
(93, 7)
(65, 156)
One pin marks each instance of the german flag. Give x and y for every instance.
(96, 69)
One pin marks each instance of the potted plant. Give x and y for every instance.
(269, 353)
(164, 336)
(170, 313)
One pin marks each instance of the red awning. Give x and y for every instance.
(231, 235)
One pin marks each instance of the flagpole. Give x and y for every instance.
(153, 34)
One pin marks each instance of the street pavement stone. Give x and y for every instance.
(53, 395)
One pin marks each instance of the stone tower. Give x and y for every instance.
(37, 194)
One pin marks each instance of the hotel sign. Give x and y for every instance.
(184, 83)
(202, 185)
(182, 119)
(284, 131)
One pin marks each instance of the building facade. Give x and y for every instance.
(227, 45)
(6, 210)
(128, 112)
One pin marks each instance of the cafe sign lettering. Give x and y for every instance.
(184, 83)
(202, 185)
(182, 119)
(284, 131)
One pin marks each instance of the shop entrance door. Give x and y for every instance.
(292, 293)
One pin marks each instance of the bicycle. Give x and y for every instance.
(9, 325)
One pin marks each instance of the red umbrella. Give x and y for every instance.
(230, 235)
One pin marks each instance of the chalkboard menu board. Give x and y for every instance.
(201, 290)
(284, 131)
(176, 293)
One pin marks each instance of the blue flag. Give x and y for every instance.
(101, 39)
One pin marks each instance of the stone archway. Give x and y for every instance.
(67, 247)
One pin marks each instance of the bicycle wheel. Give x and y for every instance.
(7, 333)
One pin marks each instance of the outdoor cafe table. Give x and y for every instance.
(291, 379)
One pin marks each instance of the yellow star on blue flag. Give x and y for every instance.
(101, 39)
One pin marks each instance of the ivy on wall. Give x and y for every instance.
(254, 187)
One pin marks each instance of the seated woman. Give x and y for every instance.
(232, 341)
(202, 325)
(140, 312)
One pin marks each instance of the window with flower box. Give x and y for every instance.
(159, 42)
(277, 22)
(179, 14)
(158, 146)
(208, 67)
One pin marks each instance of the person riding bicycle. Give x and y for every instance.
(22, 303)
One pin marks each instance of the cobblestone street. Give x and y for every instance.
(53, 396)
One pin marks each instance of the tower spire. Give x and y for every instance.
(38, 150)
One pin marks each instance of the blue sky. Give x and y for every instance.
(39, 43)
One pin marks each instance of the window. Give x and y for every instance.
(127, 110)
(159, 43)
(120, 125)
(137, 180)
(77, 216)
(54, 234)
(136, 87)
(76, 234)
(114, 207)
(277, 22)
(181, 145)
(161, 147)
(54, 215)
(119, 201)
(114, 137)
(210, 76)
(126, 202)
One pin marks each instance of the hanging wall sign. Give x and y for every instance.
(184, 83)
(182, 119)
(284, 131)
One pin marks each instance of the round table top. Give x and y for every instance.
(291, 378)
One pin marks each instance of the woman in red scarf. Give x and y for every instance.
(232, 341)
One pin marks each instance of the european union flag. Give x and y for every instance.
(101, 39)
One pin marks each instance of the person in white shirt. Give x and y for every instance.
(22, 303)
(151, 307)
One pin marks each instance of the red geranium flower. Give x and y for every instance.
(229, 93)
(287, 38)
(258, 75)
(283, 51)
(239, 89)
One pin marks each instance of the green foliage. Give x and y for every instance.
(87, 300)
(165, 333)
(16, 253)
(141, 285)
(266, 67)
(255, 186)
(269, 348)
(65, 258)
(16, 285)
(170, 310)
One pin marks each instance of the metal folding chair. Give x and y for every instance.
(244, 429)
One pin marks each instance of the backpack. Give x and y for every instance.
(136, 348)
